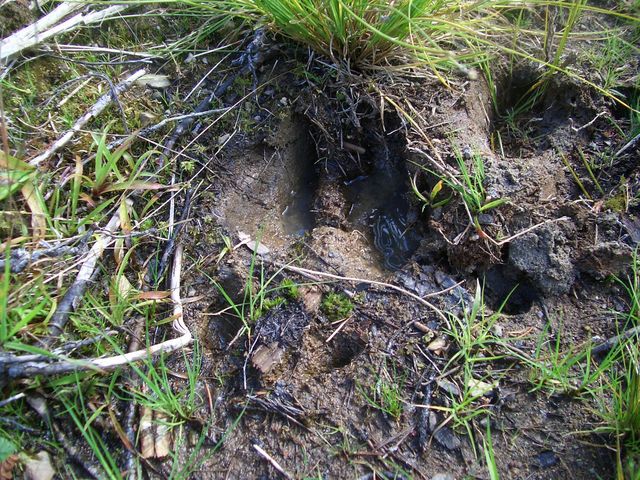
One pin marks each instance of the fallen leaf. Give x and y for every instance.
(154, 81)
(438, 346)
(449, 387)
(478, 388)
(35, 202)
(255, 247)
(7, 466)
(120, 290)
(137, 185)
(155, 295)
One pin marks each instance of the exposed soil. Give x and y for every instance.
(327, 193)
(320, 175)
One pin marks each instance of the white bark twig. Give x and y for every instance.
(53, 24)
(272, 461)
(93, 112)
(66, 365)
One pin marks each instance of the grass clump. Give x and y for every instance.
(336, 306)
(386, 394)
(468, 183)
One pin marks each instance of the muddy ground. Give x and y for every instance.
(319, 173)
(319, 178)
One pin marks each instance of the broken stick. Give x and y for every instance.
(93, 112)
(66, 365)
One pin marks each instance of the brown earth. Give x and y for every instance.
(288, 180)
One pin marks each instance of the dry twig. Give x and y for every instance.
(272, 461)
(53, 24)
(72, 298)
(93, 112)
(66, 365)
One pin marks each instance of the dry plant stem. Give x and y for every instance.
(53, 24)
(202, 107)
(272, 461)
(72, 298)
(65, 365)
(526, 230)
(250, 60)
(7, 401)
(21, 39)
(632, 144)
(168, 249)
(39, 405)
(20, 258)
(93, 112)
(130, 416)
(10, 359)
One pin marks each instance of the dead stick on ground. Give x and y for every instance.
(613, 341)
(66, 365)
(307, 272)
(272, 461)
(72, 298)
(52, 24)
(629, 146)
(93, 112)
(130, 416)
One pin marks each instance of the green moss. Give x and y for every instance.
(336, 306)
(290, 289)
(617, 203)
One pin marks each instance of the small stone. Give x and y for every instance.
(497, 330)
(39, 467)
(546, 459)
(445, 437)
(449, 387)
(443, 476)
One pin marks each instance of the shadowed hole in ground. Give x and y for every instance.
(345, 347)
(508, 291)
(532, 112)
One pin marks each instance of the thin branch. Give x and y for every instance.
(272, 461)
(66, 365)
(307, 272)
(72, 298)
(53, 24)
(634, 142)
(610, 343)
(93, 112)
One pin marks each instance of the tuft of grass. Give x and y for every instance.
(75, 405)
(257, 295)
(489, 455)
(386, 394)
(476, 349)
(468, 184)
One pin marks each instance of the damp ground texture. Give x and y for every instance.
(341, 240)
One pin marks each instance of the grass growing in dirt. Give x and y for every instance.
(68, 203)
